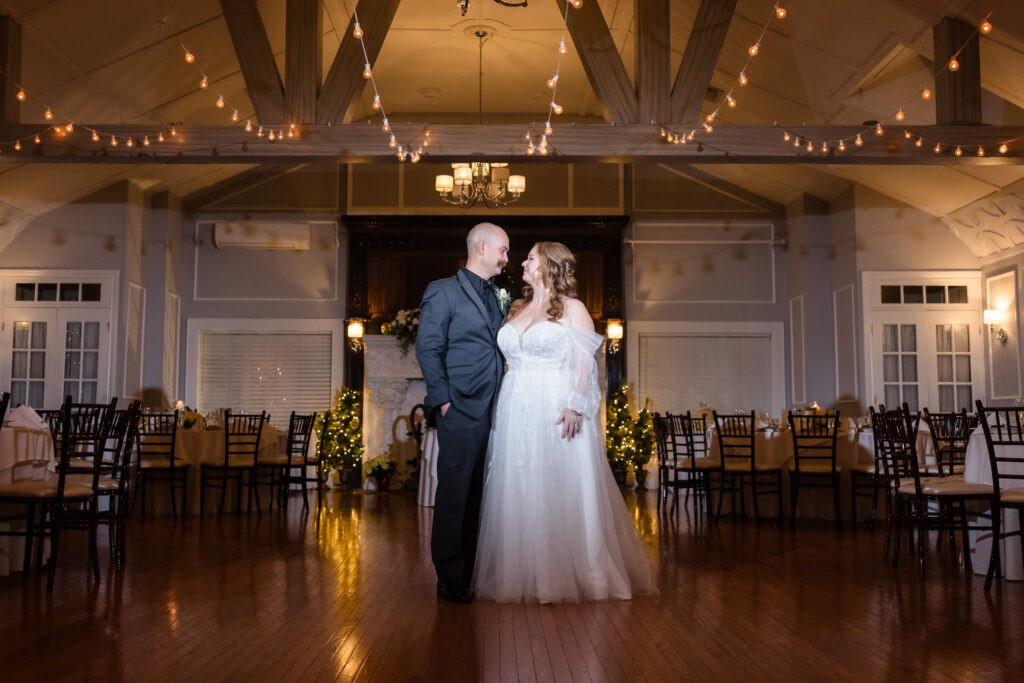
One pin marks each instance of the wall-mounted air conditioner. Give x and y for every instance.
(261, 235)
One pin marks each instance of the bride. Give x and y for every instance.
(553, 525)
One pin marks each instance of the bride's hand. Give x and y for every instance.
(571, 422)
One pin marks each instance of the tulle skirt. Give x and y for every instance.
(553, 525)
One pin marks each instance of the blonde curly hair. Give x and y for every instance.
(558, 273)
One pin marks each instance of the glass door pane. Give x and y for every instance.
(28, 362)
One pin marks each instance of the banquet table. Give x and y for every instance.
(978, 470)
(428, 469)
(198, 446)
(853, 447)
(25, 454)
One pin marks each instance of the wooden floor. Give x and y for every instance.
(351, 596)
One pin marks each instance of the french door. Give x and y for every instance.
(926, 359)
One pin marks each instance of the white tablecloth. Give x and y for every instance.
(25, 454)
(978, 470)
(428, 469)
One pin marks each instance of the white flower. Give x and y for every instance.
(503, 298)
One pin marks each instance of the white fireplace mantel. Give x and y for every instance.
(392, 386)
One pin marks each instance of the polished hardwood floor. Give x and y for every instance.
(348, 594)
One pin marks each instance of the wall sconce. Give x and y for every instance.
(355, 334)
(613, 331)
(994, 317)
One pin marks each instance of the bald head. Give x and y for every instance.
(487, 249)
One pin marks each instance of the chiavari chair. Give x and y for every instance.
(690, 468)
(1004, 439)
(241, 451)
(950, 433)
(157, 462)
(290, 467)
(736, 438)
(814, 458)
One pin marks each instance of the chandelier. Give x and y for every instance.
(480, 181)
(464, 4)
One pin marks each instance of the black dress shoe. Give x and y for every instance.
(453, 591)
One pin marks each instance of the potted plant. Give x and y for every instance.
(644, 445)
(404, 328)
(380, 469)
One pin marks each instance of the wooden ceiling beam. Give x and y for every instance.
(957, 93)
(303, 59)
(345, 78)
(357, 143)
(10, 66)
(601, 60)
(256, 58)
(699, 59)
(652, 60)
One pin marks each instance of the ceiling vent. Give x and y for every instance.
(285, 235)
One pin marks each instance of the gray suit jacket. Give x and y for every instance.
(456, 346)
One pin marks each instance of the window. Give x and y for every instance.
(274, 371)
(923, 294)
(899, 365)
(953, 354)
(47, 291)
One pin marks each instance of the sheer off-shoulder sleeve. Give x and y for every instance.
(584, 392)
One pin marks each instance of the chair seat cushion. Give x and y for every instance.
(866, 468)
(276, 460)
(907, 487)
(814, 468)
(745, 467)
(161, 463)
(1014, 496)
(951, 486)
(104, 484)
(37, 490)
(698, 464)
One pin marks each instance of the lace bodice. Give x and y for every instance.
(545, 345)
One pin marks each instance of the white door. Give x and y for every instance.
(31, 357)
(86, 338)
(927, 359)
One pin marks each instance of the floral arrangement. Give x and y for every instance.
(380, 466)
(191, 418)
(404, 328)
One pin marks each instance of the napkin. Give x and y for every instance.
(25, 418)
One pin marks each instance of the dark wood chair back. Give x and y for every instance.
(300, 430)
(158, 434)
(736, 439)
(950, 433)
(83, 435)
(242, 437)
(814, 439)
(896, 439)
(1004, 438)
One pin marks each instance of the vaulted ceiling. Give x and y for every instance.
(829, 62)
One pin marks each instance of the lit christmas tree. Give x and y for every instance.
(342, 435)
(620, 442)
(644, 443)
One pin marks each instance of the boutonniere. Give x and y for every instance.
(503, 298)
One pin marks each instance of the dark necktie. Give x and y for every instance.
(487, 293)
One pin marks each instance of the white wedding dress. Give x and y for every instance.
(553, 525)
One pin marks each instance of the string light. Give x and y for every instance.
(878, 129)
(203, 83)
(858, 141)
(958, 151)
(556, 107)
(357, 31)
(248, 126)
(553, 81)
(842, 146)
(953, 64)
(752, 50)
(367, 72)
(906, 134)
(785, 136)
(37, 140)
(376, 102)
(17, 146)
(220, 102)
(810, 146)
(743, 78)
(731, 101)
(48, 115)
(234, 115)
(129, 143)
(918, 142)
(938, 148)
(926, 94)
(981, 151)
(547, 128)
(577, 3)
(95, 136)
(1003, 148)
(145, 141)
(780, 11)
(561, 47)
(900, 115)
(20, 95)
(189, 57)
(113, 141)
(985, 27)
(160, 137)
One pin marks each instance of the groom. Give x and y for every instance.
(458, 354)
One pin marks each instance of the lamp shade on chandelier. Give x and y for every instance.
(480, 182)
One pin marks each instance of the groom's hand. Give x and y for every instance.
(444, 408)
(571, 422)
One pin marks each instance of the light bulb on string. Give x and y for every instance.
(547, 128)
(780, 11)
(248, 126)
(189, 57)
(385, 126)
(981, 151)
(174, 131)
(743, 78)
(95, 136)
(878, 129)
(367, 72)
(938, 147)
(48, 115)
(918, 142)
(842, 146)
(810, 146)
(130, 143)
(20, 95)
(858, 141)
(953, 64)
(392, 143)
(259, 133)
(357, 31)
(709, 128)
(985, 27)
(906, 134)
(689, 135)
(376, 102)
(752, 50)
(785, 136)
(670, 138)
(900, 115)
(926, 94)
(958, 151)
(160, 137)
(145, 141)
(113, 141)
(543, 151)
(561, 47)
(529, 150)
(271, 136)
(1003, 148)
(710, 117)
(730, 100)
(796, 142)
(577, 3)
(70, 128)
(553, 81)
(663, 133)
(556, 107)
(824, 146)
(220, 102)
(17, 146)
(415, 158)
(36, 139)
(234, 115)
(203, 83)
